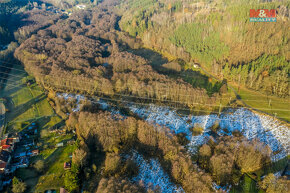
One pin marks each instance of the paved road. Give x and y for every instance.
(2, 117)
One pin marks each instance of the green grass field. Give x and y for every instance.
(24, 103)
(54, 175)
(269, 104)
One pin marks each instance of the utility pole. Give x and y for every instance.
(239, 83)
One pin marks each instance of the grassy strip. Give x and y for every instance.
(269, 104)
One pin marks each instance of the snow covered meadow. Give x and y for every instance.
(152, 176)
(250, 124)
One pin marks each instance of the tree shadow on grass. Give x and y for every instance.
(53, 157)
(48, 162)
(9, 91)
(97, 157)
(19, 110)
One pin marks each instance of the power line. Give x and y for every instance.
(106, 98)
(12, 68)
(118, 94)
(77, 88)
(51, 75)
(144, 104)
(159, 99)
(12, 75)
(147, 98)
(152, 92)
(129, 84)
(123, 95)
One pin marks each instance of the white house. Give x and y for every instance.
(81, 6)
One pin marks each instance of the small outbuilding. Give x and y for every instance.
(67, 165)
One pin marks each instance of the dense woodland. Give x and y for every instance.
(219, 36)
(86, 53)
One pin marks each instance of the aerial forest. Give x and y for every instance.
(139, 84)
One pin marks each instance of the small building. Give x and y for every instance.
(35, 152)
(5, 136)
(59, 144)
(67, 165)
(5, 159)
(28, 143)
(7, 148)
(3, 166)
(81, 6)
(62, 190)
(7, 141)
(71, 142)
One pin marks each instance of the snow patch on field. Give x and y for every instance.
(80, 98)
(107, 107)
(224, 188)
(152, 175)
(250, 124)
(77, 97)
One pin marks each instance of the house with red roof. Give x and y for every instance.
(7, 148)
(8, 143)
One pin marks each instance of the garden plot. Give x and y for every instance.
(250, 124)
(152, 175)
